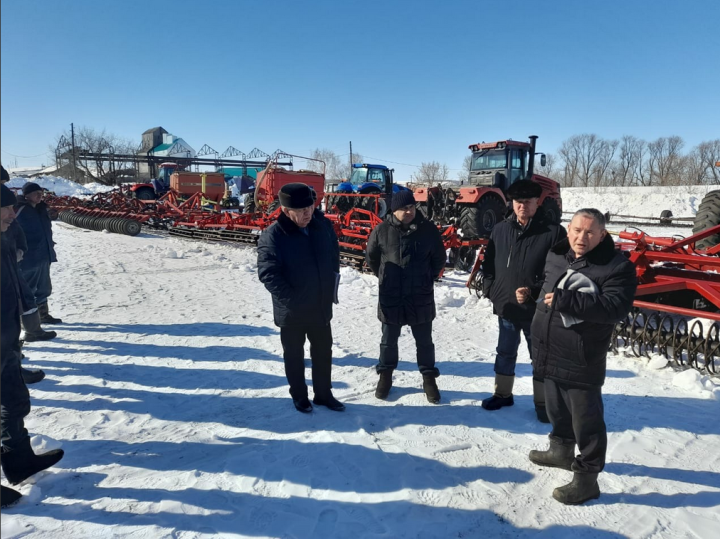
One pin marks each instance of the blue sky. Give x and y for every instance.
(407, 82)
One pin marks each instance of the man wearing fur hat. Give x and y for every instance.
(299, 263)
(513, 275)
(407, 255)
(33, 217)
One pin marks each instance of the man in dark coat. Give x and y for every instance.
(33, 217)
(512, 267)
(299, 264)
(588, 288)
(407, 255)
(18, 459)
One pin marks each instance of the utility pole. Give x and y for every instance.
(72, 136)
(351, 163)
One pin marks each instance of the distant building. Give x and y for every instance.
(158, 142)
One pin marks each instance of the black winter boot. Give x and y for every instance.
(557, 456)
(31, 376)
(503, 393)
(384, 385)
(582, 488)
(431, 389)
(330, 402)
(20, 462)
(45, 316)
(33, 331)
(9, 496)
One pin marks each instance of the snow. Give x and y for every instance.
(166, 389)
(61, 186)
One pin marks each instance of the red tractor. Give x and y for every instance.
(477, 205)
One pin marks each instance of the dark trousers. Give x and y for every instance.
(37, 278)
(293, 342)
(577, 416)
(508, 344)
(423, 343)
(14, 401)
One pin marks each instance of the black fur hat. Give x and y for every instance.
(524, 189)
(296, 196)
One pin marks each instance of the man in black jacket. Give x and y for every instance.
(588, 288)
(299, 263)
(33, 217)
(512, 267)
(406, 253)
(18, 459)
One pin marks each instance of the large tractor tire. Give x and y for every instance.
(552, 210)
(368, 203)
(344, 204)
(249, 204)
(477, 221)
(708, 216)
(274, 205)
(145, 193)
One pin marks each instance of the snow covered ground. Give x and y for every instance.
(165, 387)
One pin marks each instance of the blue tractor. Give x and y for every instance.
(366, 179)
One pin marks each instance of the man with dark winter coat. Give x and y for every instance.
(407, 255)
(512, 267)
(18, 459)
(588, 288)
(299, 264)
(33, 217)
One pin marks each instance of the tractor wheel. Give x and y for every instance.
(465, 258)
(478, 221)
(426, 209)
(145, 193)
(249, 204)
(274, 205)
(552, 210)
(344, 204)
(708, 216)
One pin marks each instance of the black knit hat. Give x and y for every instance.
(5, 175)
(524, 189)
(8, 197)
(30, 187)
(296, 196)
(401, 199)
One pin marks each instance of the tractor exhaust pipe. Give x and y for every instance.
(531, 159)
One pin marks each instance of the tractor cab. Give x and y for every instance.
(500, 164)
(367, 178)
(162, 183)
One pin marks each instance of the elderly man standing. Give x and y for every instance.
(407, 255)
(512, 269)
(589, 287)
(298, 261)
(33, 217)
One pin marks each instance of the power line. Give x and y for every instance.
(404, 164)
(27, 156)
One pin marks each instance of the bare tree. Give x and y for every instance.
(631, 153)
(335, 167)
(431, 174)
(586, 158)
(355, 158)
(665, 161)
(708, 154)
(552, 168)
(101, 143)
(464, 173)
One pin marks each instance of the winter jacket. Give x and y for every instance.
(576, 355)
(300, 270)
(37, 227)
(407, 262)
(10, 303)
(515, 258)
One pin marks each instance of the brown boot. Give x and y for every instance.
(503, 393)
(383, 386)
